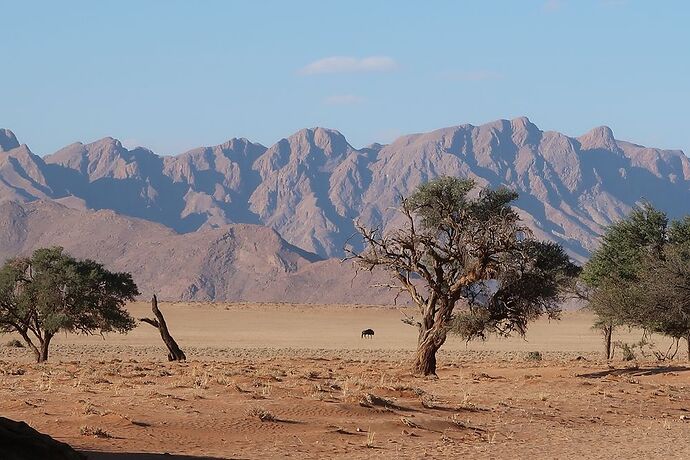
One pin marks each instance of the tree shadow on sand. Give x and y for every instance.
(635, 371)
(91, 455)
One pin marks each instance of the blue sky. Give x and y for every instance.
(172, 75)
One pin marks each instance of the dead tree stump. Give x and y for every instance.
(174, 352)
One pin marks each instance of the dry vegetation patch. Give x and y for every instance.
(266, 405)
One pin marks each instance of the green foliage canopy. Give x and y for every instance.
(51, 292)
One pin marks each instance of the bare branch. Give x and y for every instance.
(409, 320)
(150, 321)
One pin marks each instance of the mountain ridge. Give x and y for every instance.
(311, 185)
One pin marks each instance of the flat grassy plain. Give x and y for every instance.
(279, 380)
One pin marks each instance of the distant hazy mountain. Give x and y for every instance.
(236, 262)
(310, 186)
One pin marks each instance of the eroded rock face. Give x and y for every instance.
(18, 441)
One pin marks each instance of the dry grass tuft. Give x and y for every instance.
(312, 374)
(95, 432)
(534, 356)
(263, 414)
(455, 420)
(370, 439)
(90, 409)
(407, 422)
(14, 343)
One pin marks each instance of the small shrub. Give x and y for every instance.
(627, 351)
(14, 343)
(534, 356)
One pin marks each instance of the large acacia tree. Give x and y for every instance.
(457, 249)
(51, 292)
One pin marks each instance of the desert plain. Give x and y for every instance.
(266, 380)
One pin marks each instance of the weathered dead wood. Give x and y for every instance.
(174, 351)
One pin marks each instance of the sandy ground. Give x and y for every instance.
(271, 381)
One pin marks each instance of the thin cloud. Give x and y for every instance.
(348, 64)
(552, 5)
(614, 3)
(472, 75)
(343, 99)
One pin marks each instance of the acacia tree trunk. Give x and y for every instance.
(687, 339)
(430, 341)
(608, 334)
(40, 351)
(433, 331)
(43, 348)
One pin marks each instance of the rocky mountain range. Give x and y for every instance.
(309, 187)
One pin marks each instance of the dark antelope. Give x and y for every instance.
(368, 333)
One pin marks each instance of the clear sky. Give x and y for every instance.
(173, 75)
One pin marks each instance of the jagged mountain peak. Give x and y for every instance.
(8, 140)
(107, 141)
(599, 138)
(523, 124)
(328, 140)
(22, 175)
(243, 142)
(106, 157)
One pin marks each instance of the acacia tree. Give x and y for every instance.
(665, 287)
(614, 271)
(51, 292)
(453, 248)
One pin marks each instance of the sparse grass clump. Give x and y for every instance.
(312, 375)
(457, 421)
(263, 414)
(370, 400)
(370, 439)
(534, 356)
(14, 343)
(95, 432)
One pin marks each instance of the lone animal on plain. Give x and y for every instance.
(368, 333)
